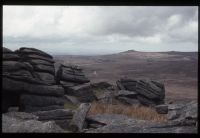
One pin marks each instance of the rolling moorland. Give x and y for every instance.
(177, 70)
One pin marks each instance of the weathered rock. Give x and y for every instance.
(83, 92)
(149, 93)
(145, 101)
(17, 80)
(12, 124)
(39, 101)
(58, 114)
(24, 87)
(62, 117)
(105, 97)
(185, 114)
(100, 85)
(68, 84)
(128, 101)
(6, 50)
(71, 74)
(29, 109)
(14, 66)
(34, 56)
(150, 90)
(19, 73)
(127, 94)
(10, 57)
(22, 115)
(72, 99)
(162, 109)
(79, 117)
(46, 77)
(25, 50)
(39, 61)
(127, 84)
(44, 68)
(119, 85)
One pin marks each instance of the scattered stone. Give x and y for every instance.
(78, 120)
(83, 92)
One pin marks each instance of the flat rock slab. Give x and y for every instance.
(22, 115)
(25, 50)
(30, 108)
(128, 101)
(34, 56)
(10, 57)
(39, 61)
(44, 68)
(39, 101)
(125, 93)
(11, 124)
(58, 114)
(24, 87)
(15, 65)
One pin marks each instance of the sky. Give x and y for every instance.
(97, 30)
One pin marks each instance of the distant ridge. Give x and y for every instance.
(129, 51)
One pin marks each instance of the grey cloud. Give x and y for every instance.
(105, 25)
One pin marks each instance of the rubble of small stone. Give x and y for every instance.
(36, 97)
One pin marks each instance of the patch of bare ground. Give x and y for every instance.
(137, 112)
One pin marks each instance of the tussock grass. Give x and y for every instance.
(138, 112)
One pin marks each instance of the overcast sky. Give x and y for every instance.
(100, 29)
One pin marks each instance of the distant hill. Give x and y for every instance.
(129, 51)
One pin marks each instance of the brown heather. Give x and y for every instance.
(138, 112)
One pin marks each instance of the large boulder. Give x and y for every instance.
(29, 81)
(149, 93)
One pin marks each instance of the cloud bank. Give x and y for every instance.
(101, 29)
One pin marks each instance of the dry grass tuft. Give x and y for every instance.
(139, 112)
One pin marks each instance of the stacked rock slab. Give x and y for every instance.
(75, 83)
(43, 63)
(70, 76)
(149, 93)
(13, 69)
(22, 87)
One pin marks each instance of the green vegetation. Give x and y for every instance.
(70, 106)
